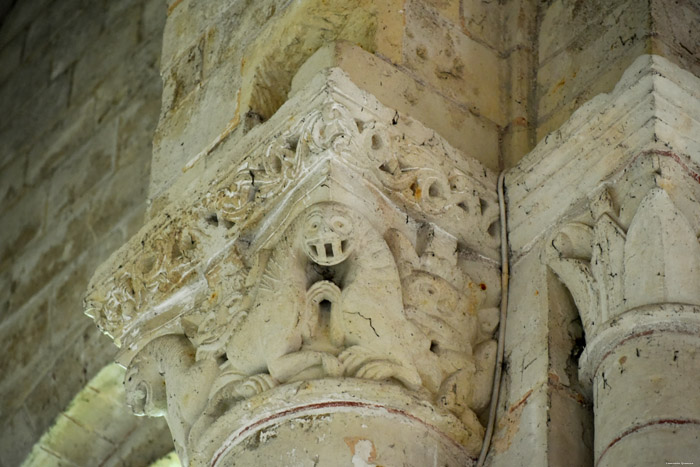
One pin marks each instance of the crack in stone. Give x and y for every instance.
(364, 317)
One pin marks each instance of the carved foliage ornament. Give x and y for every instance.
(336, 251)
(641, 250)
(177, 247)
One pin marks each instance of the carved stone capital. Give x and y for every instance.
(623, 239)
(340, 242)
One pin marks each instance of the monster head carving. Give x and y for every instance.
(145, 387)
(327, 235)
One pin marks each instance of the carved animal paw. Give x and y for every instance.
(361, 364)
(244, 388)
(254, 385)
(353, 358)
(331, 365)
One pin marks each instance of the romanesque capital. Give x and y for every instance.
(337, 270)
(623, 239)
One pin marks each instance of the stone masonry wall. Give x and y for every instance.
(583, 47)
(228, 65)
(79, 101)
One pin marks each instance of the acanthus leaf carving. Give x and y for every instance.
(610, 269)
(661, 255)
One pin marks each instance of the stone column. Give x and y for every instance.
(628, 252)
(325, 294)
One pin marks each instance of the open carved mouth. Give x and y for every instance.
(328, 252)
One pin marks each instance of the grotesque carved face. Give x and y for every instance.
(145, 388)
(327, 235)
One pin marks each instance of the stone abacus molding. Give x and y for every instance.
(339, 242)
(611, 201)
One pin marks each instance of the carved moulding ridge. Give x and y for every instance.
(345, 245)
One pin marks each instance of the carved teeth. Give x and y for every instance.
(328, 252)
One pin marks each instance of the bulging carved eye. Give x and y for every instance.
(341, 225)
(314, 223)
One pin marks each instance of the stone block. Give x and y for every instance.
(448, 9)
(83, 409)
(93, 350)
(602, 83)
(227, 35)
(76, 443)
(25, 82)
(29, 325)
(674, 32)
(203, 117)
(43, 403)
(34, 116)
(568, 24)
(570, 440)
(188, 20)
(16, 437)
(182, 77)
(18, 18)
(519, 25)
(527, 329)
(66, 313)
(10, 56)
(22, 223)
(5, 284)
(150, 441)
(76, 127)
(613, 42)
(271, 61)
(481, 20)
(42, 457)
(137, 122)
(71, 39)
(520, 433)
(138, 76)
(48, 23)
(48, 255)
(477, 137)
(153, 20)
(453, 64)
(110, 202)
(87, 167)
(519, 82)
(95, 65)
(12, 181)
(515, 144)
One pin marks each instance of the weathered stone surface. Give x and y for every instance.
(628, 120)
(16, 437)
(462, 69)
(53, 185)
(214, 56)
(585, 46)
(10, 55)
(364, 225)
(568, 73)
(628, 253)
(477, 137)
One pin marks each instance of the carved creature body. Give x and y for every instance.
(459, 333)
(329, 304)
(164, 380)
